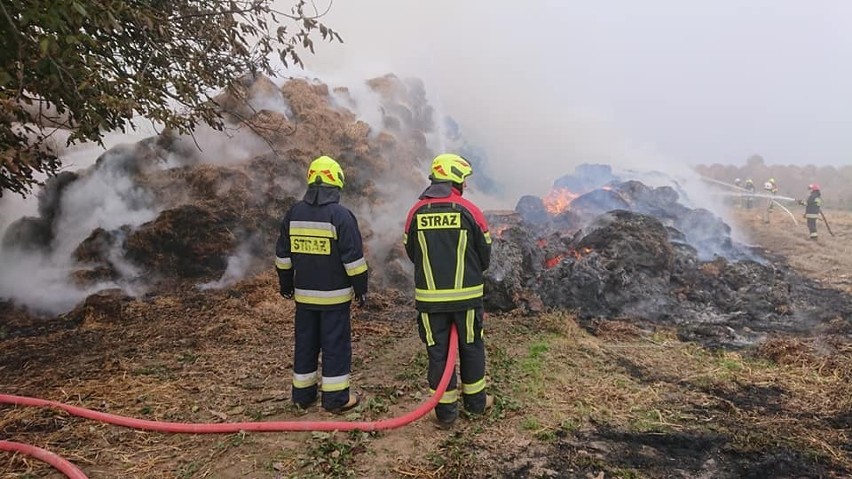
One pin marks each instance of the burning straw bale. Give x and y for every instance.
(36, 233)
(240, 102)
(187, 241)
(656, 261)
(101, 309)
(514, 256)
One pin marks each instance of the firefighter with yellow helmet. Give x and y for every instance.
(771, 187)
(446, 237)
(320, 263)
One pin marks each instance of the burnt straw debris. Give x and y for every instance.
(625, 250)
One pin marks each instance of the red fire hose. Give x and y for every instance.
(57, 462)
(219, 428)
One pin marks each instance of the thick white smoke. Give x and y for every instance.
(657, 84)
(537, 86)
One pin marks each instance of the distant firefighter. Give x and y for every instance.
(813, 209)
(749, 199)
(771, 187)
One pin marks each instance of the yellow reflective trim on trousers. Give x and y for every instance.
(468, 320)
(304, 380)
(812, 216)
(328, 388)
(473, 388)
(460, 251)
(449, 397)
(313, 232)
(427, 267)
(424, 318)
(439, 295)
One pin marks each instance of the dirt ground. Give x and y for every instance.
(828, 259)
(572, 402)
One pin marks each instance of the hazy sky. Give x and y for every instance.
(635, 82)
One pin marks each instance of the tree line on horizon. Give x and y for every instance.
(792, 180)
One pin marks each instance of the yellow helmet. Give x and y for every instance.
(450, 167)
(325, 170)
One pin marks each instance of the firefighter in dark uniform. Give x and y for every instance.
(320, 263)
(813, 208)
(446, 237)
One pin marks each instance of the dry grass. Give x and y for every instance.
(226, 356)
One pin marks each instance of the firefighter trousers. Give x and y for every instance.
(434, 331)
(327, 332)
(812, 228)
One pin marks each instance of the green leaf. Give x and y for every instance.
(80, 9)
(44, 46)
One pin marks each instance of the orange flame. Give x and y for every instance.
(576, 254)
(551, 262)
(558, 200)
(499, 230)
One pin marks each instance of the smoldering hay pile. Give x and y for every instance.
(212, 209)
(600, 245)
(609, 247)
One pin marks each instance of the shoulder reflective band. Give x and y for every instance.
(310, 245)
(313, 228)
(438, 221)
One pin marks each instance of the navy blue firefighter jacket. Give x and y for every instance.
(319, 254)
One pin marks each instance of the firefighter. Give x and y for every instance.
(446, 237)
(320, 263)
(770, 187)
(813, 209)
(749, 187)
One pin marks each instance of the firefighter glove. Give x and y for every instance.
(285, 284)
(362, 300)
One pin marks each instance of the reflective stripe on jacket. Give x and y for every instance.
(446, 237)
(320, 245)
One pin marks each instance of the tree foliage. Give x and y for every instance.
(90, 66)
